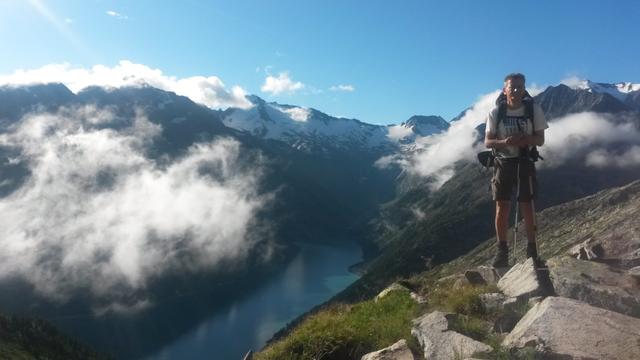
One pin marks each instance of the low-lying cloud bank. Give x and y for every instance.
(209, 91)
(593, 139)
(97, 214)
(587, 137)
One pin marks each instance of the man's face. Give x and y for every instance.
(514, 90)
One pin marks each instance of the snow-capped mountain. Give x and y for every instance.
(312, 130)
(626, 93)
(563, 99)
(619, 90)
(305, 128)
(426, 125)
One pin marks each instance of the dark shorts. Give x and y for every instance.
(505, 178)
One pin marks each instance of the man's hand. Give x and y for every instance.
(518, 141)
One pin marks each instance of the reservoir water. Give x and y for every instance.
(313, 276)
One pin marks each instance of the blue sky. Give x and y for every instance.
(377, 61)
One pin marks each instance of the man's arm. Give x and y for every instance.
(491, 141)
(537, 139)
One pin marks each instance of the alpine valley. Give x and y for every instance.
(411, 195)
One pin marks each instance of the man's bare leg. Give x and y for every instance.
(502, 220)
(530, 226)
(502, 223)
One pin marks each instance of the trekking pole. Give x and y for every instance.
(533, 210)
(515, 225)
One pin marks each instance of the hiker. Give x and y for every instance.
(513, 130)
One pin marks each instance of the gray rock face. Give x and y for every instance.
(521, 281)
(482, 275)
(397, 351)
(567, 328)
(596, 284)
(438, 342)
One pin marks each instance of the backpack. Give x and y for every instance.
(487, 158)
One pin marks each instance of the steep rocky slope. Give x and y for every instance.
(593, 249)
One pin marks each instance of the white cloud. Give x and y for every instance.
(297, 114)
(209, 91)
(117, 15)
(398, 132)
(585, 136)
(603, 158)
(280, 84)
(390, 160)
(348, 88)
(98, 215)
(574, 82)
(438, 153)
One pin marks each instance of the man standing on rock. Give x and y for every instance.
(514, 128)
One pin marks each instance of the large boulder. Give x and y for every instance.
(567, 328)
(597, 284)
(482, 275)
(521, 281)
(439, 342)
(397, 351)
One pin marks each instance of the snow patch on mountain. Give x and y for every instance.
(306, 128)
(619, 90)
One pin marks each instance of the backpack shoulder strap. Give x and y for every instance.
(528, 110)
(502, 112)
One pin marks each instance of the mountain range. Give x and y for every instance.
(321, 170)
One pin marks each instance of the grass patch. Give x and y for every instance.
(463, 300)
(348, 332)
(472, 327)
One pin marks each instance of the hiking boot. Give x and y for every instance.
(501, 259)
(532, 250)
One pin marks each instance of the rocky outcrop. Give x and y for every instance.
(482, 275)
(439, 342)
(521, 281)
(596, 284)
(397, 351)
(595, 333)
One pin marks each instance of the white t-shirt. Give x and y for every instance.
(514, 123)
